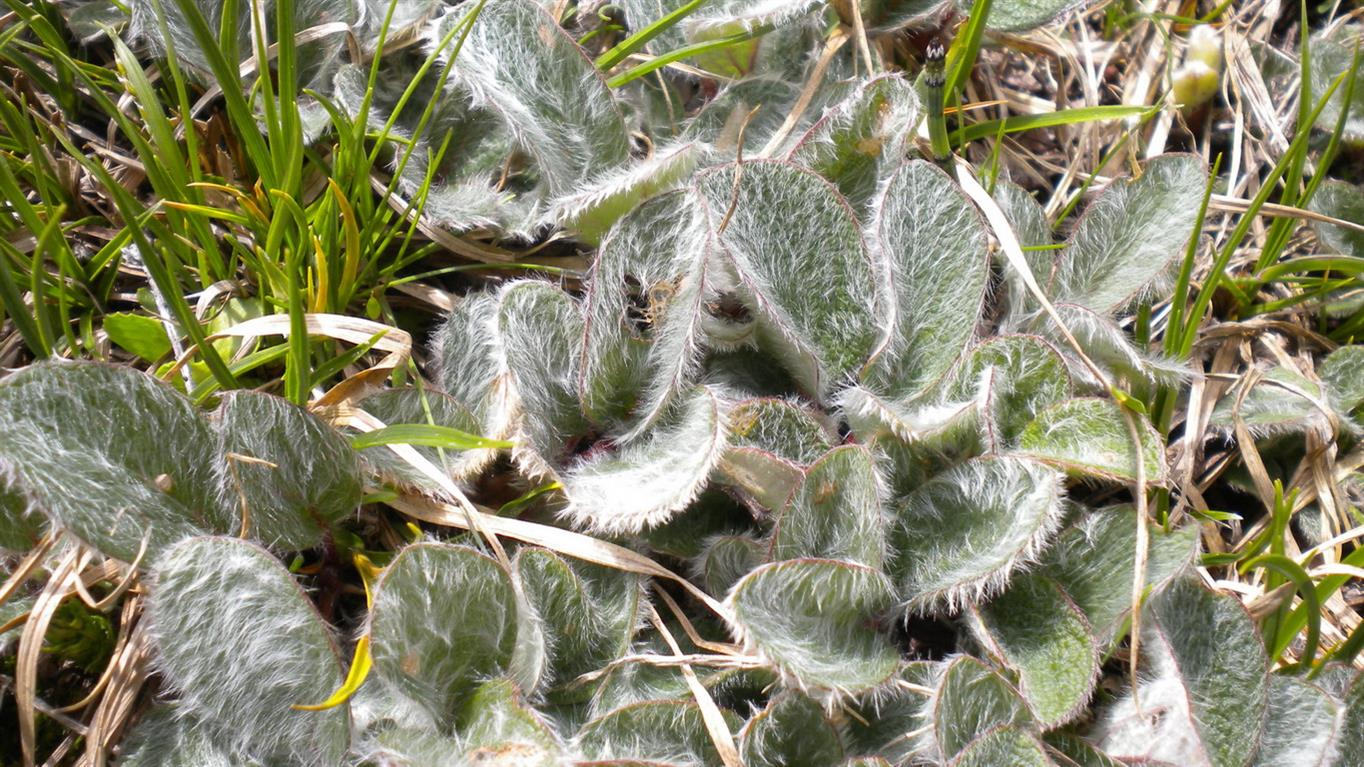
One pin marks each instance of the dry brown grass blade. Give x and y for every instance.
(710, 713)
(27, 565)
(121, 696)
(31, 646)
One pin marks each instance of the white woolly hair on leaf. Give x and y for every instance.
(1109, 347)
(112, 455)
(648, 481)
(795, 249)
(869, 415)
(935, 577)
(614, 193)
(517, 62)
(535, 399)
(1127, 241)
(240, 643)
(733, 16)
(1280, 401)
(798, 640)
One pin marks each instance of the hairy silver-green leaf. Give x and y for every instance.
(1023, 15)
(592, 210)
(1039, 632)
(1089, 436)
(962, 534)
(1127, 239)
(1108, 347)
(791, 730)
(1281, 401)
(1331, 54)
(1339, 199)
(1018, 376)
(295, 477)
(1207, 671)
(1300, 727)
(793, 245)
(462, 355)
(859, 142)
(770, 440)
(1342, 373)
(1030, 225)
(727, 558)
(165, 737)
(241, 644)
(780, 427)
(1078, 751)
(645, 326)
(932, 242)
(644, 483)
(836, 513)
(19, 530)
(518, 63)
(412, 405)
(1093, 559)
(652, 731)
(1003, 745)
(498, 727)
(897, 722)
(1352, 720)
(111, 454)
(970, 700)
(759, 105)
(810, 619)
(538, 329)
(444, 619)
(588, 612)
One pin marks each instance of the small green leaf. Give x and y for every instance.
(539, 328)
(1089, 436)
(1331, 55)
(962, 534)
(1301, 726)
(1339, 199)
(462, 355)
(780, 427)
(589, 613)
(1352, 720)
(294, 476)
(971, 700)
(139, 334)
(1035, 629)
(1281, 401)
(519, 64)
(444, 618)
(858, 143)
(1130, 236)
(837, 512)
(498, 725)
(811, 619)
(1093, 560)
(653, 731)
(726, 559)
(1018, 376)
(791, 730)
(673, 461)
(591, 211)
(932, 243)
(1208, 673)
(239, 641)
(1003, 745)
(797, 258)
(1342, 373)
(111, 454)
(19, 530)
